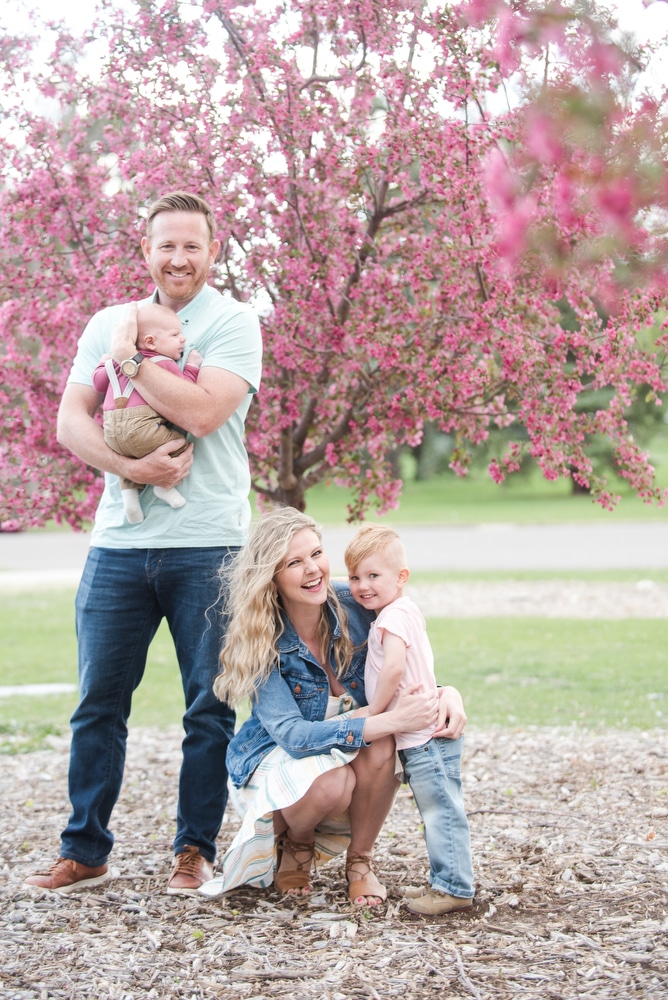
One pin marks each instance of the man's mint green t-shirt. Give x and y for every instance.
(217, 511)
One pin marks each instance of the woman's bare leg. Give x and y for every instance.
(375, 789)
(330, 794)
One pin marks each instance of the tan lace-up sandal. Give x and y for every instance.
(294, 878)
(366, 881)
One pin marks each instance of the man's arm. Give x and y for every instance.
(79, 432)
(199, 407)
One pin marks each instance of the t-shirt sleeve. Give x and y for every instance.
(397, 621)
(93, 343)
(101, 378)
(190, 372)
(236, 346)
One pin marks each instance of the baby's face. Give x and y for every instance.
(167, 337)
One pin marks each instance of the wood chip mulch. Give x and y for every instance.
(570, 839)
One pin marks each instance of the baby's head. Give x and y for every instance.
(376, 562)
(159, 329)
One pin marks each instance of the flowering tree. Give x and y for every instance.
(405, 191)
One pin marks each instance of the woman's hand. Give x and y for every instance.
(418, 709)
(415, 708)
(451, 715)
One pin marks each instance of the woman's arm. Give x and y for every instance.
(415, 708)
(278, 711)
(447, 710)
(279, 714)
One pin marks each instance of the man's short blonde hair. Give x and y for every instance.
(182, 201)
(372, 539)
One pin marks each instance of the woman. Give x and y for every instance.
(316, 771)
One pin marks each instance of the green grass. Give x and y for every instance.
(555, 672)
(513, 671)
(39, 647)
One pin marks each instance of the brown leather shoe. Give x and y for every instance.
(68, 876)
(433, 903)
(190, 871)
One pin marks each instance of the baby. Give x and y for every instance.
(131, 426)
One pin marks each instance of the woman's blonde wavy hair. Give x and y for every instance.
(253, 608)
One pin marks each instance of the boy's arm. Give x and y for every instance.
(391, 673)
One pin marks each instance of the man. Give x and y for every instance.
(166, 566)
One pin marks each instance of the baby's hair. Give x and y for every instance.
(153, 314)
(370, 540)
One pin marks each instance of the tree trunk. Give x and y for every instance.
(289, 496)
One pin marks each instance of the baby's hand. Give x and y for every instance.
(194, 358)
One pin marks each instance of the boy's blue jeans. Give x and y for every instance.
(433, 771)
(122, 598)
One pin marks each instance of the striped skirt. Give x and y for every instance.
(277, 782)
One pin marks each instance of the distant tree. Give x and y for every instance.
(404, 230)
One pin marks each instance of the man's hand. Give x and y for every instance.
(124, 337)
(79, 431)
(161, 467)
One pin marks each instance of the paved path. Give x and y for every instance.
(527, 547)
(58, 556)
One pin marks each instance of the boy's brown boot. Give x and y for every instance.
(433, 903)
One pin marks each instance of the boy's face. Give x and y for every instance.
(165, 338)
(377, 581)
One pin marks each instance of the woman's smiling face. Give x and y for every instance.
(304, 574)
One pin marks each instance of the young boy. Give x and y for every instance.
(400, 655)
(131, 426)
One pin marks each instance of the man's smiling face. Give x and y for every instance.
(179, 253)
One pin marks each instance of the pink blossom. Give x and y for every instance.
(405, 234)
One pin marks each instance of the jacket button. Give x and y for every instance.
(353, 684)
(298, 689)
(350, 738)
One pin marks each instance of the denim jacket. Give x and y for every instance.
(289, 707)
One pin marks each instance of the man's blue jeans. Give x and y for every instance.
(433, 771)
(123, 596)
